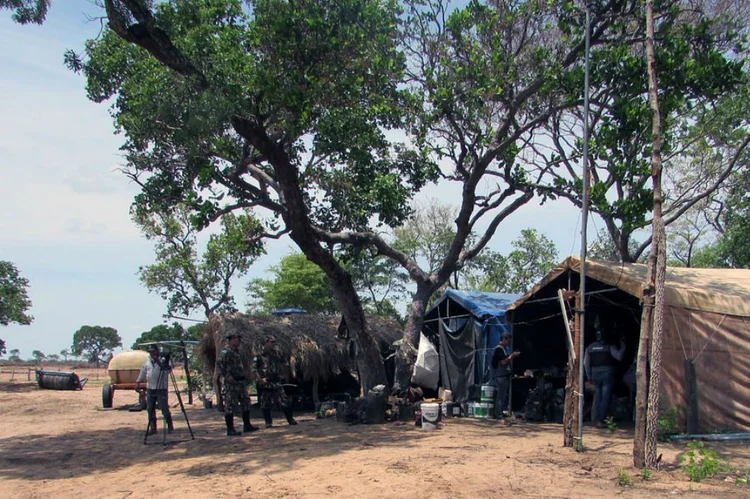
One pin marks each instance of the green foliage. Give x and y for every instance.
(380, 281)
(95, 342)
(734, 245)
(611, 425)
(624, 479)
(174, 332)
(296, 283)
(27, 11)
(532, 257)
(699, 463)
(646, 474)
(38, 356)
(186, 281)
(14, 298)
(15, 355)
(668, 422)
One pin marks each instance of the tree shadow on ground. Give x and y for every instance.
(18, 387)
(78, 453)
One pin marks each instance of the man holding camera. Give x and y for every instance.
(234, 387)
(268, 371)
(155, 374)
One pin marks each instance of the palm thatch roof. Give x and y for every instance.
(317, 345)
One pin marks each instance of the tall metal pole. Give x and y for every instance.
(584, 223)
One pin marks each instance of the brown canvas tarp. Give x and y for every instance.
(707, 320)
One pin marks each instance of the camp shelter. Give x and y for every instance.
(706, 342)
(466, 326)
(318, 346)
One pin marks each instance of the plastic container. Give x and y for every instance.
(430, 415)
(487, 393)
(483, 410)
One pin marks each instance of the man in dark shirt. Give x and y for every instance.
(502, 371)
(599, 363)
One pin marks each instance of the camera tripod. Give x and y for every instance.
(162, 370)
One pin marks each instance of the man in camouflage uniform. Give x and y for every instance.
(268, 369)
(234, 387)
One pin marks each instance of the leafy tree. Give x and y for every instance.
(65, 353)
(734, 245)
(285, 108)
(186, 281)
(604, 248)
(95, 342)
(165, 332)
(380, 281)
(296, 283)
(14, 298)
(701, 75)
(15, 355)
(27, 11)
(38, 356)
(53, 357)
(532, 257)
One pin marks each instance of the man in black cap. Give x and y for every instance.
(156, 389)
(234, 387)
(268, 369)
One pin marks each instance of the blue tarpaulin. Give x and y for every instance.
(467, 326)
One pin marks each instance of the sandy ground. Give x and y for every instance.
(63, 444)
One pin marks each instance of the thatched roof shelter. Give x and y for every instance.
(317, 345)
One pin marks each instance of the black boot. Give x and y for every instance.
(289, 418)
(170, 424)
(267, 417)
(231, 432)
(247, 427)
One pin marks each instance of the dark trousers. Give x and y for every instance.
(502, 386)
(603, 382)
(154, 397)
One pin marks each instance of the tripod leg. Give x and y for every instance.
(182, 406)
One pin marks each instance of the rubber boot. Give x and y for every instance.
(267, 417)
(247, 427)
(289, 418)
(231, 432)
(170, 425)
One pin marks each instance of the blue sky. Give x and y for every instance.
(64, 219)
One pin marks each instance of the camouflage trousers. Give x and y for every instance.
(236, 399)
(273, 392)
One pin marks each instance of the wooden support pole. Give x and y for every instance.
(691, 396)
(570, 417)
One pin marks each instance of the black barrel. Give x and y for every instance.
(58, 380)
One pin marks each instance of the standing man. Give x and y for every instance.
(268, 369)
(156, 389)
(502, 371)
(234, 388)
(599, 363)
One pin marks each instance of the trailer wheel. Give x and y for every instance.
(108, 394)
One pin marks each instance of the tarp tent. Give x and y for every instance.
(706, 326)
(466, 326)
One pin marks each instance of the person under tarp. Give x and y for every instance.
(502, 370)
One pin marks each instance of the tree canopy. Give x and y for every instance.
(14, 298)
(95, 342)
(185, 280)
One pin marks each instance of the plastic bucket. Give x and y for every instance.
(430, 414)
(471, 409)
(483, 410)
(447, 409)
(487, 393)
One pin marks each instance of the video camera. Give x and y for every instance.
(165, 361)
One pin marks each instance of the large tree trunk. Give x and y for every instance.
(407, 352)
(647, 408)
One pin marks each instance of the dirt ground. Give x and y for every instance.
(63, 444)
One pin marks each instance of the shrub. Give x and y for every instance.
(702, 463)
(624, 478)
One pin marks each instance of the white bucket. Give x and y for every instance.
(447, 396)
(430, 414)
(487, 393)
